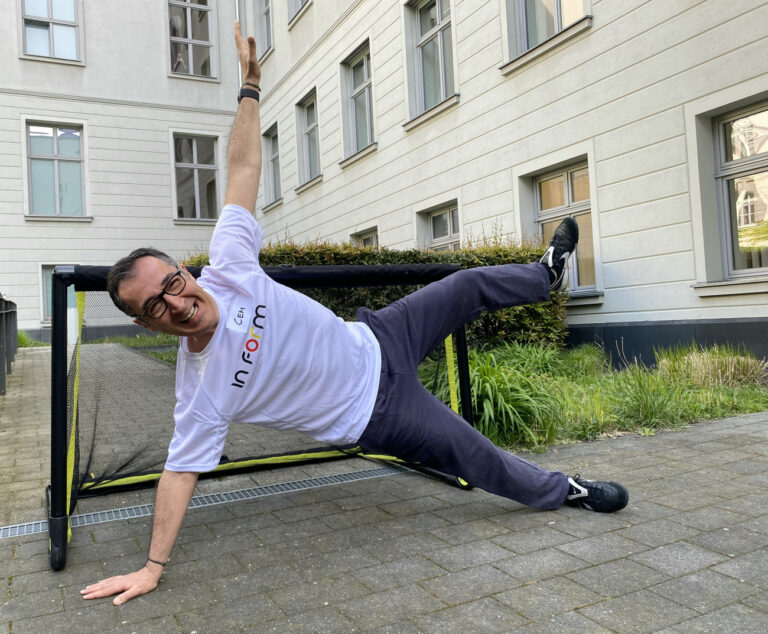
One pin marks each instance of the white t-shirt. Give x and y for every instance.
(277, 358)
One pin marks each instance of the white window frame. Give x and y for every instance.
(264, 31)
(56, 158)
(304, 130)
(196, 168)
(295, 9)
(272, 183)
(50, 21)
(450, 242)
(415, 43)
(45, 308)
(350, 93)
(569, 208)
(370, 236)
(189, 6)
(727, 170)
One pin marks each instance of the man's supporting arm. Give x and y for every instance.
(174, 491)
(244, 157)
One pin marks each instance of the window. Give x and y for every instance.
(367, 238)
(566, 193)
(51, 28)
(532, 22)
(431, 64)
(55, 163)
(357, 111)
(47, 287)
(195, 167)
(272, 192)
(189, 24)
(264, 21)
(444, 230)
(294, 6)
(309, 148)
(742, 181)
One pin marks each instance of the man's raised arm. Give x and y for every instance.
(244, 158)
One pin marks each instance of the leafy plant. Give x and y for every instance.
(25, 341)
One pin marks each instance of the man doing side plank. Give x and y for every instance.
(254, 351)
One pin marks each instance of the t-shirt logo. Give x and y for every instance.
(255, 329)
(238, 315)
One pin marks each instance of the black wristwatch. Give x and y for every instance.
(248, 92)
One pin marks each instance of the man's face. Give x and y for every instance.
(192, 313)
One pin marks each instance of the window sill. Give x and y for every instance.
(55, 60)
(42, 218)
(298, 15)
(202, 78)
(195, 221)
(546, 46)
(266, 54)
(749, 286)
(432, 112)
(585, 297)
(368, 149)
(309, 184)
(274, 204)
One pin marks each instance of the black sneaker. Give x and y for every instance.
(555, 259)
(594, 495)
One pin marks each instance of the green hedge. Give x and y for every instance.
(532, 323)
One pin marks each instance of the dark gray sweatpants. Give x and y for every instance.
(410, 423)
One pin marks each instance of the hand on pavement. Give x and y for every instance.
(128, 586)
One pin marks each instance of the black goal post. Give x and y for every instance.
(112, 391)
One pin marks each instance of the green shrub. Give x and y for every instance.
(585, 361)
(529, 394)
(714, 365)
(542, 323)
(25, 341)
(645, 398)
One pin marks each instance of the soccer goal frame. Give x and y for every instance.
(62, 501)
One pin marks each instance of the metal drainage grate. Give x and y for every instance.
(200, 501)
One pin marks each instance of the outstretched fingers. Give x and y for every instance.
(126, 587)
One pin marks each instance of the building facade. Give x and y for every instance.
(440, 123)
(402, 123)
(113, 135)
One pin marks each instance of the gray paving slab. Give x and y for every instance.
(406, 553)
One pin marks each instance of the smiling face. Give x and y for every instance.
(193, 313)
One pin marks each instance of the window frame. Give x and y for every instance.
(272, 182)
(359, 238)
(517, 24)
(45, 306)
(415, 43)
(728, 170)
(49, 21)
(195, 167)
(264, 21)
(451, 242)
(517, 55)
(189, 6)
(349, 93)
(569, 208)
(295, 9)
(303, 133)
(55, 158)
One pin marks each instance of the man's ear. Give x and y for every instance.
(143, 324)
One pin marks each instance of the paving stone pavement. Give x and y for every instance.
(405, 553)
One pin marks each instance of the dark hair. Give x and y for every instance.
(123, 270)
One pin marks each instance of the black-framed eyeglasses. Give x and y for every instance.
(157, 305)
